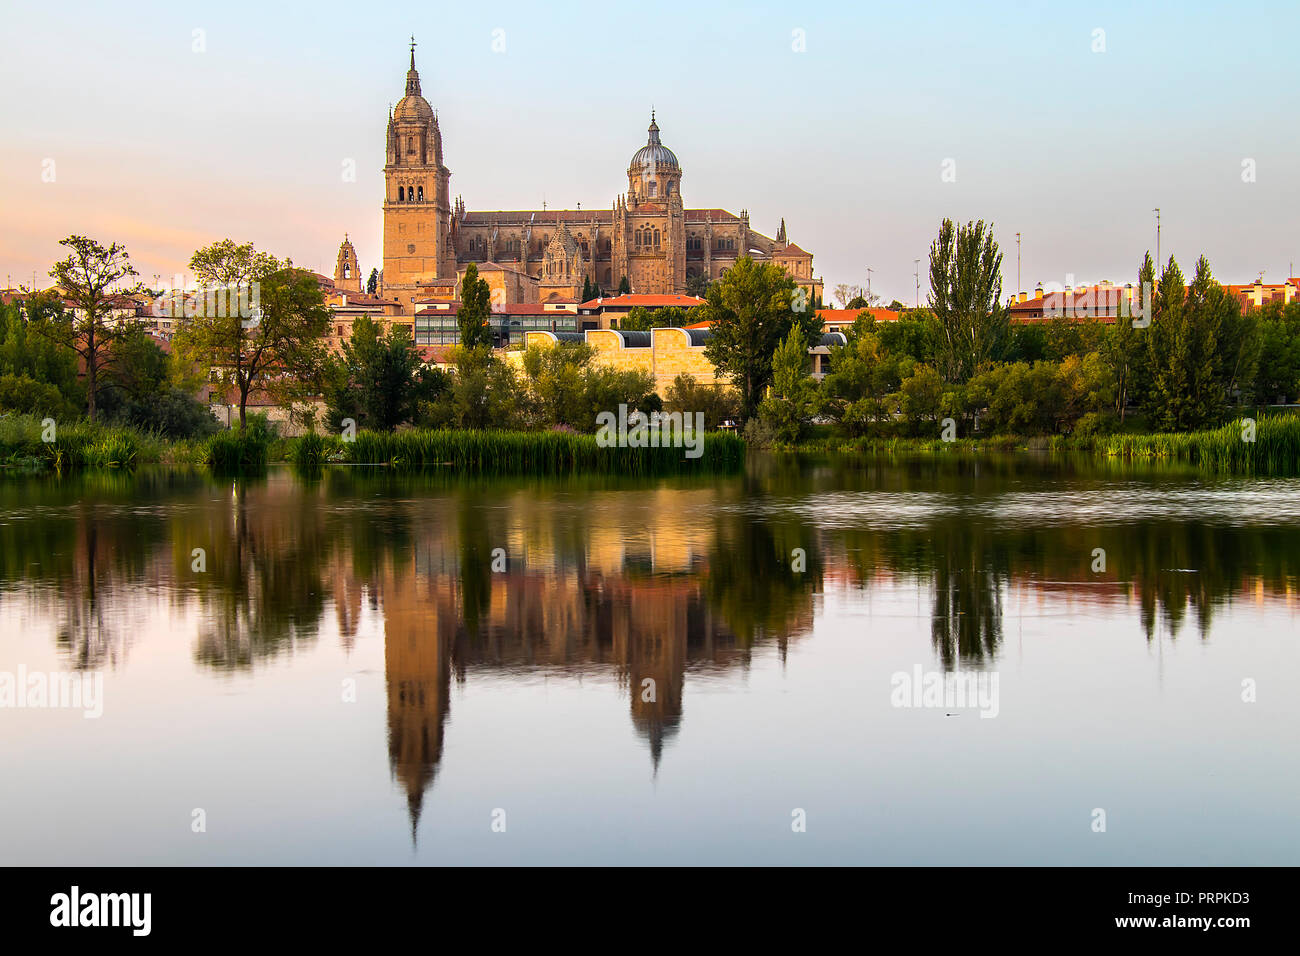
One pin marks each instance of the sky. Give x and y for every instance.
(167, 126)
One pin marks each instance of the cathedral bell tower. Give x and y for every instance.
(417, 198)
(650, 227)
(347, 273)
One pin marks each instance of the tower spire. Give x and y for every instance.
(412, 77)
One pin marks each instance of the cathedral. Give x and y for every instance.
(647, 235)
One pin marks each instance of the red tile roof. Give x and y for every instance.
(849, 316)
(529, 308)
(791, 250)
(435, 354)
(645, 301)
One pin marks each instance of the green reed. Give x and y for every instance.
(1276, 446)
(74, 445)
(236, 450)
(541, 453)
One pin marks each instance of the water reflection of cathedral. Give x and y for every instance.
(647, 630)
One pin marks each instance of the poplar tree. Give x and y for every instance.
(965, 296)
(475, 310)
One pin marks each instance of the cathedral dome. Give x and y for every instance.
(654, 153)
(413, 109)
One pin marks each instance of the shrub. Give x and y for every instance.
(19, 393)
(1095, 424)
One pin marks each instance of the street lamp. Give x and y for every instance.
(1018, 285)
(1157, 212)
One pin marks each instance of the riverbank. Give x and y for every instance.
(29, 445)
(1270, 444)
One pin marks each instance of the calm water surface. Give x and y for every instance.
(372, 669)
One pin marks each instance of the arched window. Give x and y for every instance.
(410, 144)
(654, 186)
(656, 237)
(401, 194)
(638, 237)
(421, 191)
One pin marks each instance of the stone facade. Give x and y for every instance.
(647, 235)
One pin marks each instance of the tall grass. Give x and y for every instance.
(308, 452)
(236, 450)
(75, 445)
(1276, 448)
(541, 453)
(897, 444)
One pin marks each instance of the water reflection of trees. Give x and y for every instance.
(634, 582)
(88, 553)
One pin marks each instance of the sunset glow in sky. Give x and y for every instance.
(166, 148)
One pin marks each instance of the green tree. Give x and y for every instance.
(1124, 345)
(484, 392)
(698, 286)
(89, 279)
(920, 397)
(372, 284)
(911, 334)
(475, 310)
(1278, 375)
(280, 348)
(717, 403)
(1026, 342)
(864, 374)
(965, 296)
(374, 382)
(641, 319)
(751, 311)
(789, 405)
(140, 368)
(624, 287)
(1187, 371)
(31, 350)
(556, 378)
(21, 393)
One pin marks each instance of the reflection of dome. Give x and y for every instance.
(654, 153)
